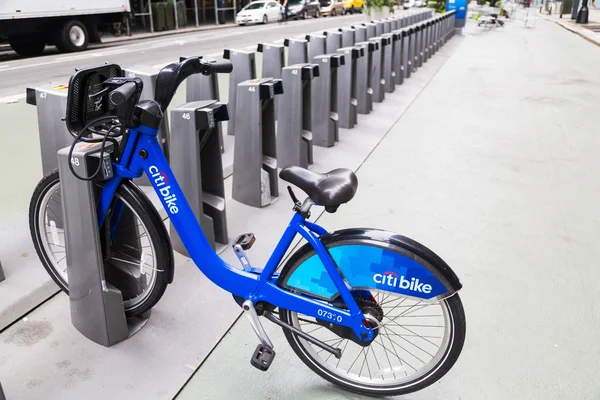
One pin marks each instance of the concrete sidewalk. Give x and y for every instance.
(589, 31)
(494, 167)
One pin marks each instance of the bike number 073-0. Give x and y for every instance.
(329, 315)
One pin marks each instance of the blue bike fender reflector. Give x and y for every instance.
(367, 267)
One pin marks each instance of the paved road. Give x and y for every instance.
(17, 74)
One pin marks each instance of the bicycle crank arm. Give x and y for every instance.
(336, 352)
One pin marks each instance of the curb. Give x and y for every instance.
(133, 37)
(168, 33)
(577, 32)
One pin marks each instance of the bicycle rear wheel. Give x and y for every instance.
(419, 325)
(417, 343)
(139, 248)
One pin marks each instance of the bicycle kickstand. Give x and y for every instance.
(264, 354)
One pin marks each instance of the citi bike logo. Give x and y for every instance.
(392, 279)
(160, 180)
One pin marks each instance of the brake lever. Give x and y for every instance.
(96, 96)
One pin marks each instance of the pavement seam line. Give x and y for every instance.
(24, 315)
(208, 355)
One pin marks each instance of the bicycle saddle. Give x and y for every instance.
(329, 189)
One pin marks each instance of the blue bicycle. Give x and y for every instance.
(369, 310)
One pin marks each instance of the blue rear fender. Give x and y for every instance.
(371, 259)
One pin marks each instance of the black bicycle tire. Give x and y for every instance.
(149, 217)
(458, 318)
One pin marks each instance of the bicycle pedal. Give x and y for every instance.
(245, 241)
(263, 357)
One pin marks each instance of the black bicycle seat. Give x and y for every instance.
(329, 189)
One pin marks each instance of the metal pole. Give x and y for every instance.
(196, 10)
(175, 11)
(216, 14)
(151, 22)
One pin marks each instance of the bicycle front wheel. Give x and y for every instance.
(138, 247)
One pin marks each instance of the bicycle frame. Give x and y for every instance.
(142, 153)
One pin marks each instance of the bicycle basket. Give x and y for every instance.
(80, 108)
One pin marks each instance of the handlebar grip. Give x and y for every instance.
(123, 93)
(221, 67)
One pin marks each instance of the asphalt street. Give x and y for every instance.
(17, 74)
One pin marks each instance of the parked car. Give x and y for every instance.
(303, 8)
(332, 7)
(258, 12)
(353, 6)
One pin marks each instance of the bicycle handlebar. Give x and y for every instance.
(123, 93)
(171, 76)
(221, 68)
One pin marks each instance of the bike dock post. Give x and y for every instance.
(438, 31)
(426, 41)
(273, 60)
(415, 47)
(360, 33)
(148, 76)
(204, 87)
(324, 104)
(393, 23)
(2, 396)
(399, 57)
(96, 303)
(294, 136)
(255, 181)
(244, 68)
(297, 51)
(408, 51)
(421, 42)
(389, 66)
(364, 92)
(333, 41)
(377, 82)
(198, 166)
(347, 36)
(401, 54)
(387, 26)
(2, 277)
(347, 82)
(316, 45)
(51, 105)
(379, 25)
(370, 30)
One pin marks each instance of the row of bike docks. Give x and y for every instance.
(330, 79)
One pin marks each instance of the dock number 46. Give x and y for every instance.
(186, 116)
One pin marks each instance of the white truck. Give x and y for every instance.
(30, 25)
